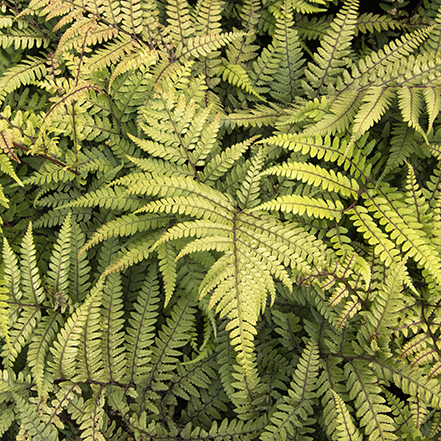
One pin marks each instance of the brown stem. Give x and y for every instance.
(49, 158)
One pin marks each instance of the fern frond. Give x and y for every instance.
(369, 23)
(257, 117)
(7, 144)
(317, 208)
(325, 148)
(174, 334)
(372, 412)
(4, 313)
(22, 74)
(294, 414)
(180, 25)
(222, 162)
(106, 197)
(317, 176)
(167, 266)
(71, 337)
(249, 192)
(92, 416)
(346, 427)
(383, 246)
(132, 17)
(236, 75)
(140, 335)
(335, 47)
(408, 233)
(288, 53)
(58, 274)
(44, 336)
(32, 423)
(125, 226)
(410, 381)
(30, 277)
(203, 45)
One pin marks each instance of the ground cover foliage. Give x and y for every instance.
(220, 220)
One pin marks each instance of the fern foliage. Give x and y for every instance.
(220, 220)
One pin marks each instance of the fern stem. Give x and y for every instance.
(49, 158)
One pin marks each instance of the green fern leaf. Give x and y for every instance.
(71, 337)
(236, 75)
(335, 47)
(315, 175)
(317, 208)
(167, 266)
(371, 410)
(294, 414)
(140, 335)
(25, 73)
(346, 428)
(58, 274)
(44, 336)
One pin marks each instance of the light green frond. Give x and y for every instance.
(410, 102)
(372, 412)
(204, 45)
(23, 39)
(221, 163)
(408, 233)
(6, 167)
(58, 274)
(197, 228)
(218, 243)
(135, 252)
(376, 102)
(236, 75)
(167, 266)
(52, 174)
(30, 277)
(125, 226)
(347, 431)
(32, 423)
(249, 192)
(22, 74)
(163, 186)
(432, 97)
(4, 313)
(180, 25)
(132, 16)
(260, 116)
(159, 165)
(207, 17)
(383, 246)
(330, 150)
(65, 349)
(111, 53)
(315, 175)
(37, 357)
(145, 57)
(369, 23)
(317, 208)
(107, 197)
(411, 381)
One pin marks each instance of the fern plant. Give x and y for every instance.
(220, 220)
